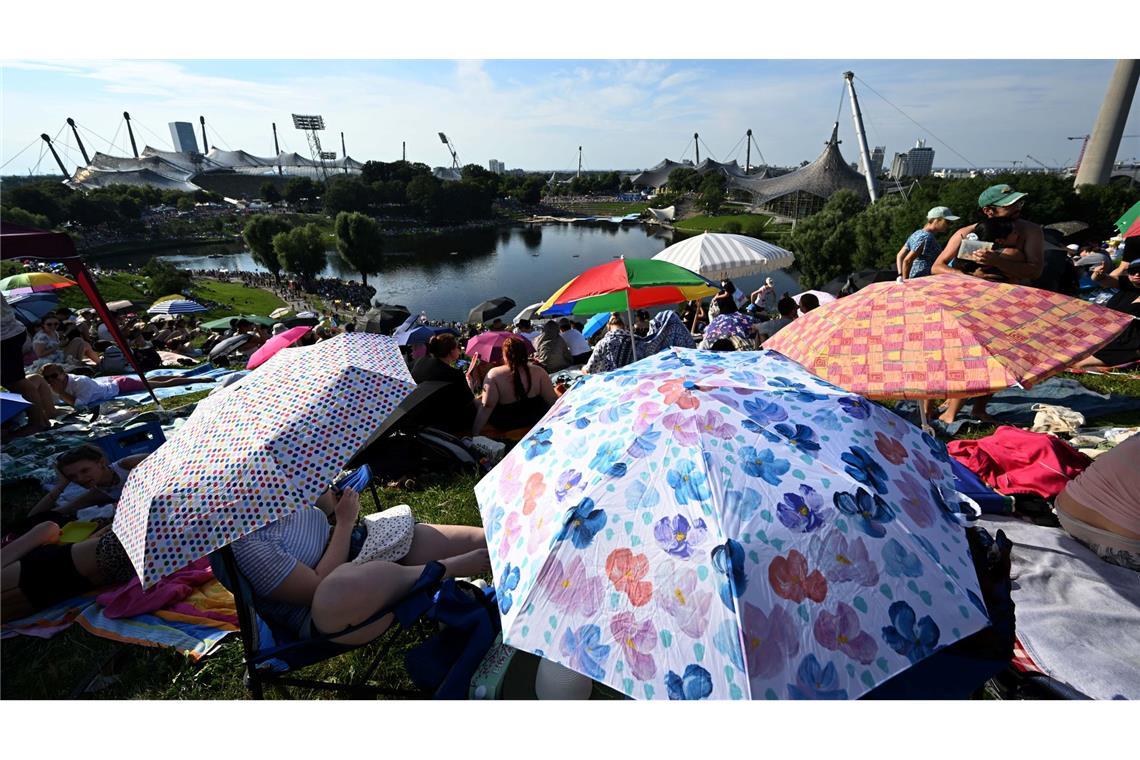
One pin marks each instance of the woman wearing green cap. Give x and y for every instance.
(1001, 201)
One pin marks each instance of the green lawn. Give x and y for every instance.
(236, 297)
(718, 223)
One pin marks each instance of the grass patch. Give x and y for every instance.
(746, 222)
(236, 298)
(1121, 384)
(113, 287)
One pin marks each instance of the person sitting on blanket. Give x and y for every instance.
(79, 390)
(1100, 509)
(303, 580)
(86, 478)
(38, 571)
(516, 395)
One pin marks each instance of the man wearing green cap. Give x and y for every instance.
(1000, 201)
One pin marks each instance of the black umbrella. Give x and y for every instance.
(488, 310)
(845, 286)
(1067, 228)
(385, 317)
(300, 321)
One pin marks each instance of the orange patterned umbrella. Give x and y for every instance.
(945, 336)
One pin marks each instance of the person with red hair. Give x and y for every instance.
(516, 394)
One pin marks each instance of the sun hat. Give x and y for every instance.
(1073, 247)
(999, 195)
(941, 212)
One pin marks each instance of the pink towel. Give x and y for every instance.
(130, 599)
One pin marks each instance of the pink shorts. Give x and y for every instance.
(128, 384)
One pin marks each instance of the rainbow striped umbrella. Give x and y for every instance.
(34, 282)
(625, 285)
(945, 336)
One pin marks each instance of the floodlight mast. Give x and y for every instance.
(451, 149)
(310, 124)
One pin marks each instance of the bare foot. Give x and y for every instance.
(472, 563)
(942, 418)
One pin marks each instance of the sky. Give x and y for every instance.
(533, 114)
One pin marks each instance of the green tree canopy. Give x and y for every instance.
(258, 234)
(359, 243)
(269, 192)
(301, 251)
(824, 242)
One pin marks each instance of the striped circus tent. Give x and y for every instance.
(176, 306)
(718, 255)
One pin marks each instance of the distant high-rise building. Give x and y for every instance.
(900, 166)
(877, 160)
(920, 160)
(495, 166)
(182, 132)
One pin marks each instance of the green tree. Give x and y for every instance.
(23, 218)
(258, 234)
(882, 228)
(423, 192)
(299, 189)
(269, 192)
(359, 243)
(165, 278)
(347, 193)
(683, 180)
(823, 243)
(301, 251)
(185, 203)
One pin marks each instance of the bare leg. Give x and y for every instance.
(167, 382)
(436, 542)
(978, 410)
(953, 406)
(352, 593)
(43, 533)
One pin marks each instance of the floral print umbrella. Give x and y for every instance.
(258, 450)
(726, 525)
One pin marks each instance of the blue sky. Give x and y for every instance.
(528, 90)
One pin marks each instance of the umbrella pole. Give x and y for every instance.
(632, 342)
(924, 423)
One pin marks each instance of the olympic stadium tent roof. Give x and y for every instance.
(659, 175)
(232, 159)
(90, 178)
(807, 188)
(731, 169)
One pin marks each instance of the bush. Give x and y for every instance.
(165, 278)
(732, 226)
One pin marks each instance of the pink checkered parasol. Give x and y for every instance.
(945, 336)
(258, 450)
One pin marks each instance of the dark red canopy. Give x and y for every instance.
(18, 242)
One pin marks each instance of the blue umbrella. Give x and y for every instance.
(422, 334)
(595, 323)
(11, 404)
(31, 307)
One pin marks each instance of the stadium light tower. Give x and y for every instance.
(451, 148)
(310, 125)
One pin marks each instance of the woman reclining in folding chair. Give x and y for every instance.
(304, 579)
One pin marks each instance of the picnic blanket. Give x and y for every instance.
(217, 373)
(1015, 405)
(1078, 617)
(194, 626)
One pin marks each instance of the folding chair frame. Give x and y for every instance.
(407, 612)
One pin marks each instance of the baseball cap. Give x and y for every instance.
(1094, 260)
(1073, 247)
(942, 212)
(999, 195)
(1134, 266)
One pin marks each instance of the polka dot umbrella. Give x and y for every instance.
(258, 450)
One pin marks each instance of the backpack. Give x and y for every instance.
(113, 361)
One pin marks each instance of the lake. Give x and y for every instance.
(446, 275)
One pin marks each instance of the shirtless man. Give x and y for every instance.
(1001, 201)
(997, 201)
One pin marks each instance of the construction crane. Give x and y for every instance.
(1038, 162)
(1015, 164)
(1084, 144)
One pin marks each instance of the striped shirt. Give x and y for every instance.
(267, 556)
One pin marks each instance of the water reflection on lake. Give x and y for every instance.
(446, 275)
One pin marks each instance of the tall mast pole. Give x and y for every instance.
(864, 153)
(343, 153)
(579, 161)
(697, 143)
(1104, 140)
(748, 153)
(276, 149)
(404, 150)
(131, 132)
(51, 147)
(205, 142)
(71, 123)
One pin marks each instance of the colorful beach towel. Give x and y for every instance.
(194, 626)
